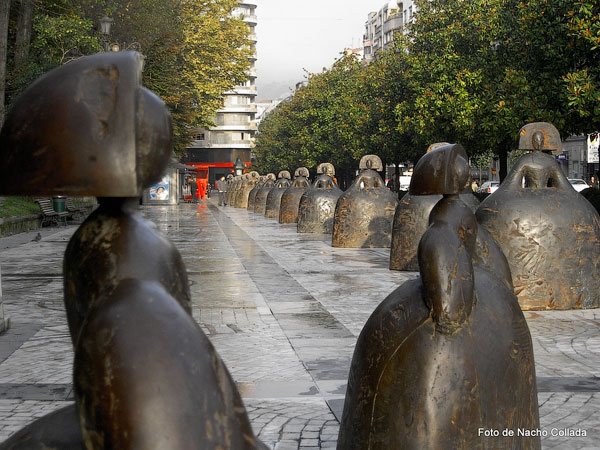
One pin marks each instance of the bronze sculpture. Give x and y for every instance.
(260, 199)
(233, 188)
(145, 375)
(273, 201)
(250, 180)
(317, 204)
(448, 354)
(549, 233)
(262, 179)
(411, 221)
(230, 187)
(290, 201)
(364, 213)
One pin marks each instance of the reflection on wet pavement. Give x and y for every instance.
(283, 310)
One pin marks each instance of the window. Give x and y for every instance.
(199, 137)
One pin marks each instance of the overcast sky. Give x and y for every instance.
(307, 34)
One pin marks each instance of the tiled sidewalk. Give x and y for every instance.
(284, 311)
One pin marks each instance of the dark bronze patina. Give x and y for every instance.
(250, 181)
(260, 199)
(450, 352)
(364, 213)
(84, 106)
(228, 194)
(145, 375)
(237, 195)
(252, 195)
(549, 233)
(317, 204)
(411, 221)
(233, 189)
(290, 201)
(274, 197)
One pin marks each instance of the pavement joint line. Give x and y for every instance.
(275, 360)
(235, 235)
(64, 391)
(16, 336)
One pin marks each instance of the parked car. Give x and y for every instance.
(488, 187)
(578, 184)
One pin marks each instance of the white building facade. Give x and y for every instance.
(381, 26)
(232, 137)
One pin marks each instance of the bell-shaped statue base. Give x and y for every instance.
(549, 233)
(448, 354)
(411, 387)
(364, 213)
(410, 222)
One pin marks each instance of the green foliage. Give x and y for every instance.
(480, 69)
(63, 38)
(194, 49)
(17, 206)
(341, 115)
(469, 71)
(318, 124)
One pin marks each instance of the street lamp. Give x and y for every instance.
(105, 24)
(238, 166)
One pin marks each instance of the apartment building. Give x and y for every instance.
(215, 150)
(381, 25)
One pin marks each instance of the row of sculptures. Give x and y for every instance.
(443, 357)
(549, 232)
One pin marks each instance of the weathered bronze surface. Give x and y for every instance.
(138, 350)
(274, 197)
(549, 233)
(317, 204)
(86, 128)
(250, 181)
(410, 222)
(260, 201)
(252, 196)
(290, 201)
(450, 352)
(364, 213)
(233, 188)
(145, 375)
(58, 430)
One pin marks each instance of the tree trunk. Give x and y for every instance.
(4, 13)
(503, 161)
(23, 37)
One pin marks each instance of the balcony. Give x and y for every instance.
(246, 128)
(250, 19)
(251, 109)
(240, 90)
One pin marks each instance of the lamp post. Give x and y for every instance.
(238, 166)
(105, 26)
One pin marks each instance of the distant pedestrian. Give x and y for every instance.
(193, 189)
(202, 188)
(474, 185)
(222, 188)
(593, 182)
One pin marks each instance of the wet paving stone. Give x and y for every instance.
(284, 311)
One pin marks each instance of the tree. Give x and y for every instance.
(318, 124)
(194, 49)
(4, 15)
(583, 83)
(480, 69)
(23, 32)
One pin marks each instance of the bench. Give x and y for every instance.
(48, 213)
(77, 212)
